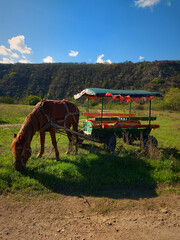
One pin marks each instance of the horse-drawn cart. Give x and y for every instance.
(104, 126)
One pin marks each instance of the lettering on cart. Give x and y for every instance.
(122, 118)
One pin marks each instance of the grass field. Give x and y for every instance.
(92, 171)
(12, 114)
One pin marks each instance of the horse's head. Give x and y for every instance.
(21, 152)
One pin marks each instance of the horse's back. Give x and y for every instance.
(59, 109)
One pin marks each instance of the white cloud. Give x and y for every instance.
(7, 52)
(73, 53)
(48, 59)
(7, 60)
(18, 44)
(100, 60)
(169, 4)
(24, 61)
(141, 58)
(146, 3)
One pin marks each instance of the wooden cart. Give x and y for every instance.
(106, 127)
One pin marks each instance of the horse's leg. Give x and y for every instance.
(42, 141)
(75, 128)
(53, 138)
(69, 135)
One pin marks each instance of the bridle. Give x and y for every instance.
(23, 154)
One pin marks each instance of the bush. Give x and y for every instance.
(95, 103)
(31, 100)
(7, 99)
(172, 99)
(139, 106)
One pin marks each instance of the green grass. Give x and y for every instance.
(12, 114)
(169, 132)
(92, 171)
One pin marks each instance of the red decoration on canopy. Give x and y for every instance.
(93, 98)
(148, 98)
(121, 98)
(136, 99)
(108, 94)
(115, 97)
(127, 99)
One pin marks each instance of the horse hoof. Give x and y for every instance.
(67, 152)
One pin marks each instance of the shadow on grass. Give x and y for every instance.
(171, 152)
(2, 121)
(99, 174)
(90, 147)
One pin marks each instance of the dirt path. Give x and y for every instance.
(63, 217)
(10, 125)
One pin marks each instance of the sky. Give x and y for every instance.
(89, 31)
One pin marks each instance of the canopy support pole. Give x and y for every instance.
(130, 107)
(87, 105)
(150, 112)
(102, 109)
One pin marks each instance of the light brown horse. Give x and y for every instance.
(64, 113)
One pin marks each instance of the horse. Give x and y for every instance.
(63, 113)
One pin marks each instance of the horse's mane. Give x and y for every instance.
(27, 129)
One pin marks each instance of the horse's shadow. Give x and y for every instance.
(104, 176)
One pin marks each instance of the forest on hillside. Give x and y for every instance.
(63, 80)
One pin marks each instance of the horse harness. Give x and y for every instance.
(48, 124)
(23, 154)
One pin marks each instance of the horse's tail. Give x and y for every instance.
(75, 123)
(76, 116)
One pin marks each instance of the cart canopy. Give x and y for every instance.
(116, 94)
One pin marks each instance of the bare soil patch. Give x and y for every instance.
(60, 217)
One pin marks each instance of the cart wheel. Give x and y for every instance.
(149, 145)
(127, 138)
(110, 143)
(143, 142)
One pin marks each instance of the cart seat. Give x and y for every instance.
(106, 114)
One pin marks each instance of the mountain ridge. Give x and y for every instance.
(63, 80)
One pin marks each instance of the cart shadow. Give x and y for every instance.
(91, 147)
(171, 152)
(107, 175)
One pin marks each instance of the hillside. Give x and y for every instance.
(63, 80)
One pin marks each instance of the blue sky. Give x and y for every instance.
(103, 31)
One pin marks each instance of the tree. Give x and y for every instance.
(31, 100)
(7, 99)
(172, 99)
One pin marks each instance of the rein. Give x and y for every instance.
(45, 158)
(49, 123)
(68, 114)
(39, 105)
